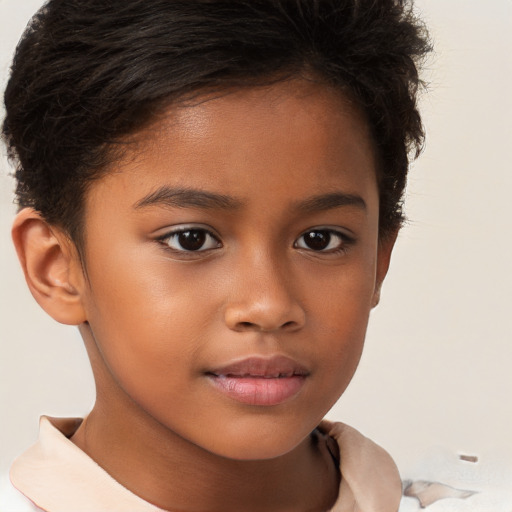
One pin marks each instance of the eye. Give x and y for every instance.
(323, 240)
(190, 240)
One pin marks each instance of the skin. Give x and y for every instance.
(156, 318)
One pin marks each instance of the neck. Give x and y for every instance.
(174, 474)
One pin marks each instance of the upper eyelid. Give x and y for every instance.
(345, 240)
(168, 234)
(343, 232)
(166, 240)
(180, 228)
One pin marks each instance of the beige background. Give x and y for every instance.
(437, 366)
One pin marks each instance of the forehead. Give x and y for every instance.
(242, 141)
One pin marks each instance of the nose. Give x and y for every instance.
(263, 299)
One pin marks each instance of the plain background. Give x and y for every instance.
(437, 365)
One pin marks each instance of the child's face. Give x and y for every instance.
(239, 242)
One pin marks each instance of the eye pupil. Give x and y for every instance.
(317, 240)
(192, 240)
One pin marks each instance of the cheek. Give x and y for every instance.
(341, 320)
(152, 320)
(139, 320)
(344, 332)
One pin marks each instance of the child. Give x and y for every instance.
(211, 191)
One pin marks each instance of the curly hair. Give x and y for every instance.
(88, 73)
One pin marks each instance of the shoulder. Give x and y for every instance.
(370, 481)
(13, 500)
(56, 475)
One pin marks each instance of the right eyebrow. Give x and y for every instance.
(188, 198)
(330, 201)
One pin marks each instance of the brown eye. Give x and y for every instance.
(317, 240)
(191, 240)
(322, 240)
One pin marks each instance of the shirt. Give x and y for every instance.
(54, 475)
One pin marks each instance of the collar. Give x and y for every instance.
(370, 481)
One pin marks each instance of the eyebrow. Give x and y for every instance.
(330, 201)
(188, 198)
(194, 198)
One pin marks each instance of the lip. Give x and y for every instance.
(264, 381)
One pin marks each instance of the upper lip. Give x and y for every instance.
(264, 367)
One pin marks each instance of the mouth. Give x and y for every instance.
(260, 381)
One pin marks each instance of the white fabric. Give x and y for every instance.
(370, 481)
(442, 480)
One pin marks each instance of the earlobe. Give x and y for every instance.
(376, 295)
(385, 249)
(51, 266)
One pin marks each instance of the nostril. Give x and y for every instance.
(246, 325)
(250, 326)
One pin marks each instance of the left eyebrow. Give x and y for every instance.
(188, 198)
(330, 201)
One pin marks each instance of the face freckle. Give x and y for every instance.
(232, 263)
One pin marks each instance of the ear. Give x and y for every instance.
(51, 265)
(385, 248)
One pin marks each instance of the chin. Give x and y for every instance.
(258, 443)
(253, 453)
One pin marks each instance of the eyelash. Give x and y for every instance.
(174, 235)
(344, 241)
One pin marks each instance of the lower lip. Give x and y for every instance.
(259, 390)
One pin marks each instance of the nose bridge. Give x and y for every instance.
(263, 295)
